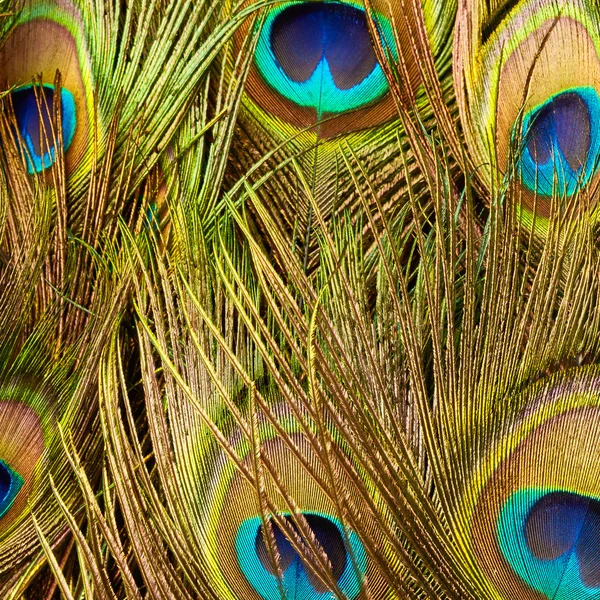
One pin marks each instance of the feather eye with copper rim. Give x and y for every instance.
(529, 100)
(44, 63)
(297, 544)
(315, 61)
(317, 85)
(27, 416)
(533, 508)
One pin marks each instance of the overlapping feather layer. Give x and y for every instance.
(269, 331)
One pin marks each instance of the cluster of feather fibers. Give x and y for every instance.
(299, 300)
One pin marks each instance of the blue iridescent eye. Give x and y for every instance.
(561, 149)
(298, 580)
(320, 55)
(552, 541)
(33, 121)
(10, 484)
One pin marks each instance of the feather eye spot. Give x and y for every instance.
(551, 538)
(33, 106)
(319, 55)
(563, 123)
(304, 35)
(562, 522)
(326, 533)
(561, 142)
(257, 565)
(10, 484)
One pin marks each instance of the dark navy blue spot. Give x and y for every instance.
(562, 142)
(562, 125)
(298, 580)
(28, 117)
(34, 107)
(303, 34)
(328, 536)
(561, 523)
(10, 484)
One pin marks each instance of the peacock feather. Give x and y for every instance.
(529, 113)
(246, 534)
(29, 73)
(326, 77)
(538, 539)
(299, 299)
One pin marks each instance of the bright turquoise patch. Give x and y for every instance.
(561, 142)
(558, 578)
(25, 106)
(319, 55)
(10, 484)
(296, 583)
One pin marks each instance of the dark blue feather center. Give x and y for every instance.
(297, 577)
(326, 533)
(564, 522)
(562, 126)
(10, 484)
(32, 122)
(304, 34)
(561, 142)
(34, 106)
